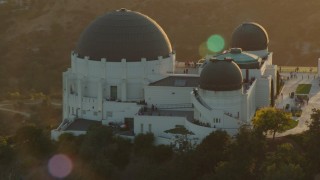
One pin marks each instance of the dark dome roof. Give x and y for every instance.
(123, 34)
(221, 75)
(250, 36)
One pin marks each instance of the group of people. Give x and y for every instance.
(297, 69)
(189, 64)
(293, 75)
(145, 109)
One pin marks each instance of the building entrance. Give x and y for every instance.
(113, 93)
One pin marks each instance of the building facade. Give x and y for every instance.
(123, 74)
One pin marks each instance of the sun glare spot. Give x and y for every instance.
(203, 50)
(60, 166)
(215, 43)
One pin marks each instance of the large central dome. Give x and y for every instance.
(123, 34)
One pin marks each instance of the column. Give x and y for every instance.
(145, 74)
(65, 91)
(124, 90)
(319, 67)
(99, 99)
(79, 88)
(124, 80)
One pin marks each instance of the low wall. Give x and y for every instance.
(56, 133)
(200, 131)
(157, 124)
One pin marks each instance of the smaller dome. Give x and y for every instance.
(221, 75)
(250, 36)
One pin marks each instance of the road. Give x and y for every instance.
(314, 100)
(27, 102)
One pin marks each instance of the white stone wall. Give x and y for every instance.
(159, 124)
(202, 112)
(271, 70)
(117, 111)
(156, 124)
(253, 73)
(228, 101)
(122, 74)
(263, 92)
(163, 95)
(248, 107)
(87, 84)
(199, 131)
(223, 118)
(56, 133)
(260, 53)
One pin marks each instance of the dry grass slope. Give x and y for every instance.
(45, 34)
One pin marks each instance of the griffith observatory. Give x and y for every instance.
(124, 74)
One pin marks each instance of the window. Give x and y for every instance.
(95, 113)
(71, 90)
(72, 111)
(109, 113)
(150, 128)
(83, 112)
(141, 128)
(113, 93)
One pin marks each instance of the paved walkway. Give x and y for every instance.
(314, 99)
(23, 113)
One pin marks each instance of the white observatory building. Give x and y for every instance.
(122, 74)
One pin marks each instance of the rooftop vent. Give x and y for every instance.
(229, 59)
(214, 59)
(235, 50)
(123, 10)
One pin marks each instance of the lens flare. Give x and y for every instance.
(203, 50)
(215, 43)
(60, 166)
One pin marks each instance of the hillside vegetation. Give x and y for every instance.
(36, 38)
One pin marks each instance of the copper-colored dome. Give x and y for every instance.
(221, 75)
(123, 34)
(250, 36)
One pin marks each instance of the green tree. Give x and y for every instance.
(97, 149)
(120, 152)
(284, 163)
(6, 152)
(245, 154)
(181, 137)
(6, 157)
(68, 144)
(279, 83)
(272, 94)
(32, 141)
(96, 142)
(284, 171)
(312, 144)
(271, 119)
(211, 151)
(161, 153)
(143, 144)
